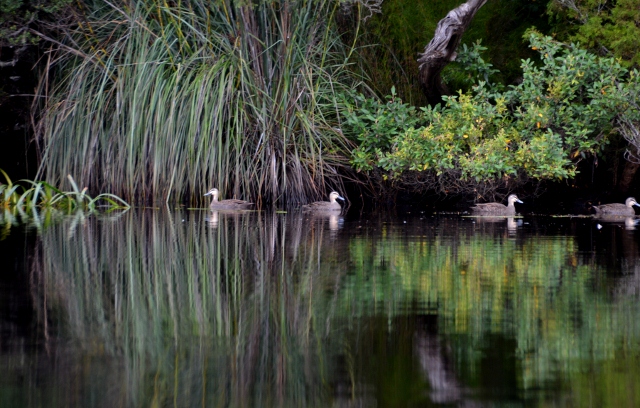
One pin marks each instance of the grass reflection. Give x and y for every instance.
(220, 312)
(241, 309)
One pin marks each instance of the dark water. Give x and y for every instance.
(197, 309)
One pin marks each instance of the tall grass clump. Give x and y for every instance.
(156, 102)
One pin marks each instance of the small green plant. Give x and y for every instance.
(8, 192)
(43, 195)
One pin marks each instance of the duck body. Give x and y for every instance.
(325, 206)
(497, 208)
(231, 204)
(625, 209)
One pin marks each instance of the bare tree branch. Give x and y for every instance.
(59, 44)
(583, 16)
(631, 132)
(442, 48)
(14, 60)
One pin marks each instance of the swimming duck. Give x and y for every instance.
(324, 206)
(230, 204)
(617, 208)
(497, 208)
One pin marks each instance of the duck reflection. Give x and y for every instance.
(213, 219)
(334, 221)
(511, 222)
(628, 222)
(320, 222)
(266, 231)
(216, 216)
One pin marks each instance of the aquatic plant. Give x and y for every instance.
(43, 195)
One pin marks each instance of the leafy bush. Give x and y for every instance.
(375, 125)
(469, 60)
(563, 111)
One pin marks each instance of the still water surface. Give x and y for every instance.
(185, 309)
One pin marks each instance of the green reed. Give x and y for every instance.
(159, 103)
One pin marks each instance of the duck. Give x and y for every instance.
(231, 204)
(325, 206)
(498, 208)
(617, 208)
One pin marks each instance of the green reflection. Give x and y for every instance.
(244, 309)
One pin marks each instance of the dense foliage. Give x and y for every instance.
(565, 109)
(18, 18)
(605, 26)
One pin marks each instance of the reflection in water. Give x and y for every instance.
(213, 218)
(445, 388)
(628, 222)
(314, 220)
(243, 309)
(510, 221)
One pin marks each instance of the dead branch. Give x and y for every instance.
(442, 48)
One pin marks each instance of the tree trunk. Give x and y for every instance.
(442, 48)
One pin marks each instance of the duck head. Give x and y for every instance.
(631, 202)
(334, 195)
(213, 192)
(514, 199)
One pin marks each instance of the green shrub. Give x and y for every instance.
(563, 111)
